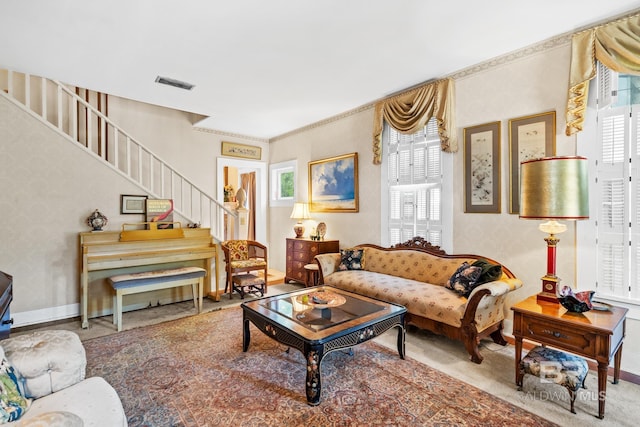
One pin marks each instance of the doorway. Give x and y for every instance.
(246, 167)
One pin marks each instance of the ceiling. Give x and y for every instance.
(262, 68)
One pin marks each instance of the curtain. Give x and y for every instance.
(248, 183)
(616, 45)
(411, 110)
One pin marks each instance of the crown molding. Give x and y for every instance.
(230, 134)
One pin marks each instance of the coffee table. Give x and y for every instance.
(334, 320)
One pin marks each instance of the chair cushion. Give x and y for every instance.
(248, 263)
(248, 280)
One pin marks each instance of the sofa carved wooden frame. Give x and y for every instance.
(467, 331)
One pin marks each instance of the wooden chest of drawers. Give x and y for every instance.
(300, 252)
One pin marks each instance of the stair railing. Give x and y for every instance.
(78, 120)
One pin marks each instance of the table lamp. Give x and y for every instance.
(300, 212)
(552, 189)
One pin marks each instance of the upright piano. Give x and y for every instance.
(106, 253)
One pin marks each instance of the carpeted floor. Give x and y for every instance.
(495, 375)
(192, 372)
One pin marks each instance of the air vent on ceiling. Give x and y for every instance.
(174, 83)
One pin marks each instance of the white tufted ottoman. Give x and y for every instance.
(47, 360)
(52, 366)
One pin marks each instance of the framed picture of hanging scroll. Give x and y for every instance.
(530, 137)
(482, 168)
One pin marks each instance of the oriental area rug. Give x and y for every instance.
(192, 372)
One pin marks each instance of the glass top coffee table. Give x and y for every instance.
(320, 320)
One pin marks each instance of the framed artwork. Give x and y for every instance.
(333, 184)
(530, 137)
(241, 150)
(132, 204)
(482, 168)
(160, 210)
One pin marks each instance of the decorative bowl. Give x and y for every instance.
(577, 302)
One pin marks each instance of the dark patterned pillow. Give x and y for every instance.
(490, 272)
(464, 280)
(351, 259)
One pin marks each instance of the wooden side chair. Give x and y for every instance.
(242, 257)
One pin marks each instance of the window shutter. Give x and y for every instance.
(607, 86)
(415, 184)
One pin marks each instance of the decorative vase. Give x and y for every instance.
(96, 220)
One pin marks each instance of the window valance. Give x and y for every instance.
(616, 45)
(411, 110)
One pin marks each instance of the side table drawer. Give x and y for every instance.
(571, 339)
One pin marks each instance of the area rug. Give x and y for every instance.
(192, 372)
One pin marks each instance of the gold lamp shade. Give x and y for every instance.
(553, 188)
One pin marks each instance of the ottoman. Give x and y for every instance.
(247, 284)
(554, 366)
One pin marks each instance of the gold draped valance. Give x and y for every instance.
(411, 110)
(616, 45)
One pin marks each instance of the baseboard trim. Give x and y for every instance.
(624, 375)
(44, 315)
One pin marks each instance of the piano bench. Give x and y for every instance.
(126, 284)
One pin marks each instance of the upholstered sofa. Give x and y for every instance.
(48, 368)
(415, 275)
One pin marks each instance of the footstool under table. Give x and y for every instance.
(247, 284)
(555, 366)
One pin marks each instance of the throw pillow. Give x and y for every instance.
(12, 403)
(351, 259)
(490, 272)
(464, 280)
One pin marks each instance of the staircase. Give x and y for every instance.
(73, 117)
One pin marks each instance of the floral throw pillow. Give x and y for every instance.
(465, 279)
(351, 259)
(12, 403)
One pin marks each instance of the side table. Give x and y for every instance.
(596, 335)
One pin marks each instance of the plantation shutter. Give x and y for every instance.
(607, 86)
(415, 184)
(612, 187)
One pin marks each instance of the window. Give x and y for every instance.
(412, 186)
(609, 244)
(283, 183)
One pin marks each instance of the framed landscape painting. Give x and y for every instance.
(333, 184)
(482, 168)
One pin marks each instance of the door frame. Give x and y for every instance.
(260, 168)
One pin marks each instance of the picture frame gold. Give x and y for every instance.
(333, 184)
(233, 149)
(482, 168)
(530, 137)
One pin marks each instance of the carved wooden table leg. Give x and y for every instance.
(314, 355)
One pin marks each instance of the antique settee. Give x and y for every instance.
(43, 380)
(415, 274)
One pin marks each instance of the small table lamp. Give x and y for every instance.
(551, 189)
(300, 212)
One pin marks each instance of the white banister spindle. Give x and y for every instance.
(162, 177)
(128, 157)
(103, 139)
(73, 120)
(43, 90)
(88, 129)
(59, 107)
(139, 164)
(10, 82)
(27, 91)
(116, 148)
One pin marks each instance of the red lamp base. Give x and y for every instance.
(549, 290)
